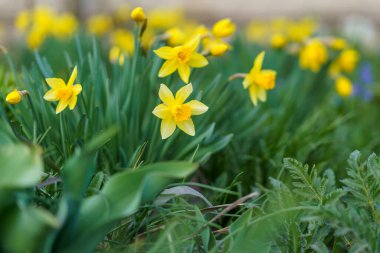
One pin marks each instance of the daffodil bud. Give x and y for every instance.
(223, 28)
(278, 40)
(218, 49)
(15, 96)
(138, 14)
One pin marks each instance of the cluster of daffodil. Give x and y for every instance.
(280, 32)
(41, 22)
(314, 52)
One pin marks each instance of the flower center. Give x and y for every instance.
(64, 94)
(183, 55)
(181, 112)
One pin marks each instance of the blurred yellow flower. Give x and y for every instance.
(116, 55)
(223, 28)
(123, 39)
(259, 80)
(23, 20)
(181, 58)
(175, 113)
(99, 24)
(64, 25)
(15, 96)
(299, 31)
(175, 36)
(216, 47)
(338, 43)
(348, 60)
(138, 14)
(257, 31)
(343, 86)
(313, 55)
(65, 94)
(163, 19)
(35, 38)
(278, 40)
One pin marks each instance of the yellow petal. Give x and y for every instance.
(193, 43)
(262, 94)
(73, 102)
(253, 94)
(248, 80)
(73, 77)
(165, 53)
(183, 93)
(56, 83)
(168, 68)
(259, 61)
(62, 104)
(184, 72)
(166, 95)
(197, 60)
(77, 89)
(167, 128)
(51, 95)
(162, 111)
(187, 126)
(197, 108)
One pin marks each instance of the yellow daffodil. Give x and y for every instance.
(223, 28)
(259, 80)
(123, 39)
(138, 14)
(278, 40)
(348, 60)
(216, 47)
(121, 14)
(257, 31)
(175, 36)
(116, 55)
(343, 86)
(175, 113)
(181, 58)
(64, 26)
(301, 30)
(66, 94)
(338, 43)
(22, 21)
(15, 96)
(313, 55)
(163, 19)
(99, 24)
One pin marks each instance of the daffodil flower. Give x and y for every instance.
(181, 58)
(313, 55)
(174, 112)
(65, 94)
(259, 81)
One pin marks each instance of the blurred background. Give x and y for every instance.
(240, 10)
(346, 16)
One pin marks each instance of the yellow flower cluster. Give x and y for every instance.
(279, 32)
(41, 22)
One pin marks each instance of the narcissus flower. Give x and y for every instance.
(116, 55)
(313, 55)
(99, 24)
(66, 94)
(181, 58)
(338, 43)
(278, 40)
(223, 28)
(138, 14)
(174, 112)
(15, 96)
(215, 46)
(348, 60)
(259, 80)
(343, 86)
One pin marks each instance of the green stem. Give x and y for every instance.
(62, 134)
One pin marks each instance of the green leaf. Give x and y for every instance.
(21, 166)
(121, 196)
